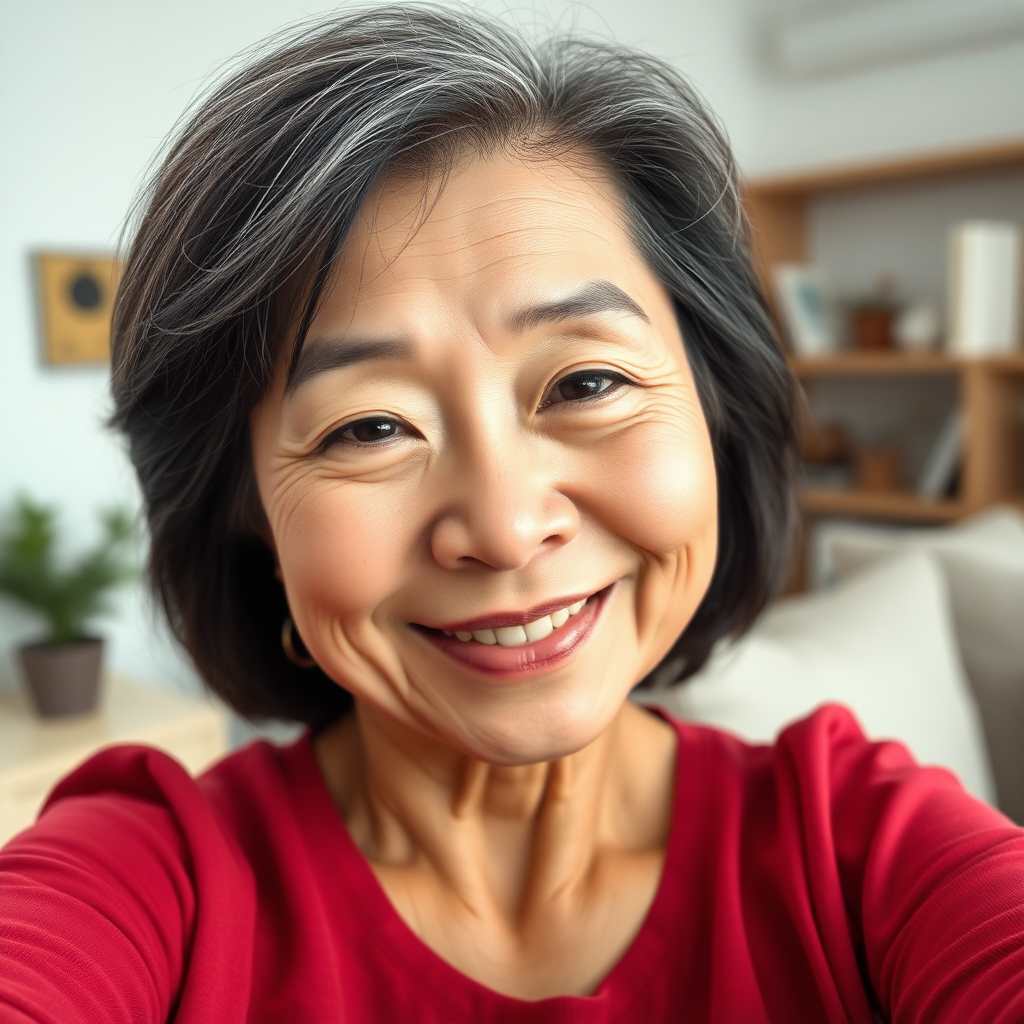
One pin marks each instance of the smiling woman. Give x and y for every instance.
(264, 193)
(458, 415)
(486, 396)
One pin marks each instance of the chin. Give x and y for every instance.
(537, 732)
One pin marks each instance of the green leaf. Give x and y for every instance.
(67, 596)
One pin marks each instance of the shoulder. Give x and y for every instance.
(135, 788)
(134, 817)
(848, 853)
(829, 787)
(135, 890)
(825, 747)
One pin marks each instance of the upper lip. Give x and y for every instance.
(499, 619)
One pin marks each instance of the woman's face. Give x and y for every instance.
(491, 421)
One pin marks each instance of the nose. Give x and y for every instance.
(503, 508)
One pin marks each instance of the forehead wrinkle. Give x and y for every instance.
(571, 205)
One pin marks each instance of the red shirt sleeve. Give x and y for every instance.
(99, 915)
(932, 880)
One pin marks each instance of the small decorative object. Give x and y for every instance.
(938, 474)
(825, 443)
(871, 320)
(872, 328)
(985, 288)
(825, 451)
(77, 295)
(917, 328)
(63, 671)
(879, 470)
(807, 309)
(872, 315)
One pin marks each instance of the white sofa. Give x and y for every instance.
(919, 632)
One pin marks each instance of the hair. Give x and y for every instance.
(237, 233)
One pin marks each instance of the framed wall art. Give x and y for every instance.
(76, 293)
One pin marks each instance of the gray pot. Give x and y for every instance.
(63, 679)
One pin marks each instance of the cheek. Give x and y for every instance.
(344, 550)
(655, 487)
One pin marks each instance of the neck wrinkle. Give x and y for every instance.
(500, 836)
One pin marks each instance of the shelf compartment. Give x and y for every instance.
(850, 364)
(901, 506)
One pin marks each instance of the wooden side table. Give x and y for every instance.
(35, 753)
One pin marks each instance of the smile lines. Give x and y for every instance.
(516, 636)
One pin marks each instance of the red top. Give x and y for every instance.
(798, 879)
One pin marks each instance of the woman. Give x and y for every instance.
(457, 413)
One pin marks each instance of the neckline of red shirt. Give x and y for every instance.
(357, 888)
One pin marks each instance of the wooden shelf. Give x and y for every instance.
(901, 506)
(989, 391)
(852, 363)
(929, 165)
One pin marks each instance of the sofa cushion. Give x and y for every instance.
(881, 643)
(983, 561)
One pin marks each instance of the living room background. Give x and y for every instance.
(87, 93)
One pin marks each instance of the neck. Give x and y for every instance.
(506, 842)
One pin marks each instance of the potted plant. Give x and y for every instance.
(63, 671)
(872, 315)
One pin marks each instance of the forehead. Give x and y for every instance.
(496, 230)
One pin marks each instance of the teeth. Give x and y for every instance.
(539, 628)
(516, 636)
(511, 636)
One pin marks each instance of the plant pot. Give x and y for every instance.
(872, 329)
(63, 679)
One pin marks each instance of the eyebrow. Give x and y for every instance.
(595, 297)
(323, 354)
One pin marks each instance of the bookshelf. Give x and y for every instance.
(991, 395)
(989, 392)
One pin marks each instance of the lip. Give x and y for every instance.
(500, 619)
(527, 659)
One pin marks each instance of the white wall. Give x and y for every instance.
(923, 105)
(88, 90)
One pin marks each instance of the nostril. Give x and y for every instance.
(502, 521)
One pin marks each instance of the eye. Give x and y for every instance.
(583, 386)
(371, 430)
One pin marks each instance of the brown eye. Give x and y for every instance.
(578, 387)
(369, 431)
(372, 430)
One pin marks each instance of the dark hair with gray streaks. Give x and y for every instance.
(236, 236)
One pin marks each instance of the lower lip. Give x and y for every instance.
(527, 659)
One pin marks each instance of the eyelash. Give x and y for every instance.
(616, 381)
(338, 436)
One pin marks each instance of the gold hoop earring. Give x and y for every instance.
(288, 635)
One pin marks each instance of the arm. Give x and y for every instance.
(127, 901)
(96, 913)
(932, 879)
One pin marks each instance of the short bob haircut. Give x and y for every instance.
(236, 235)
